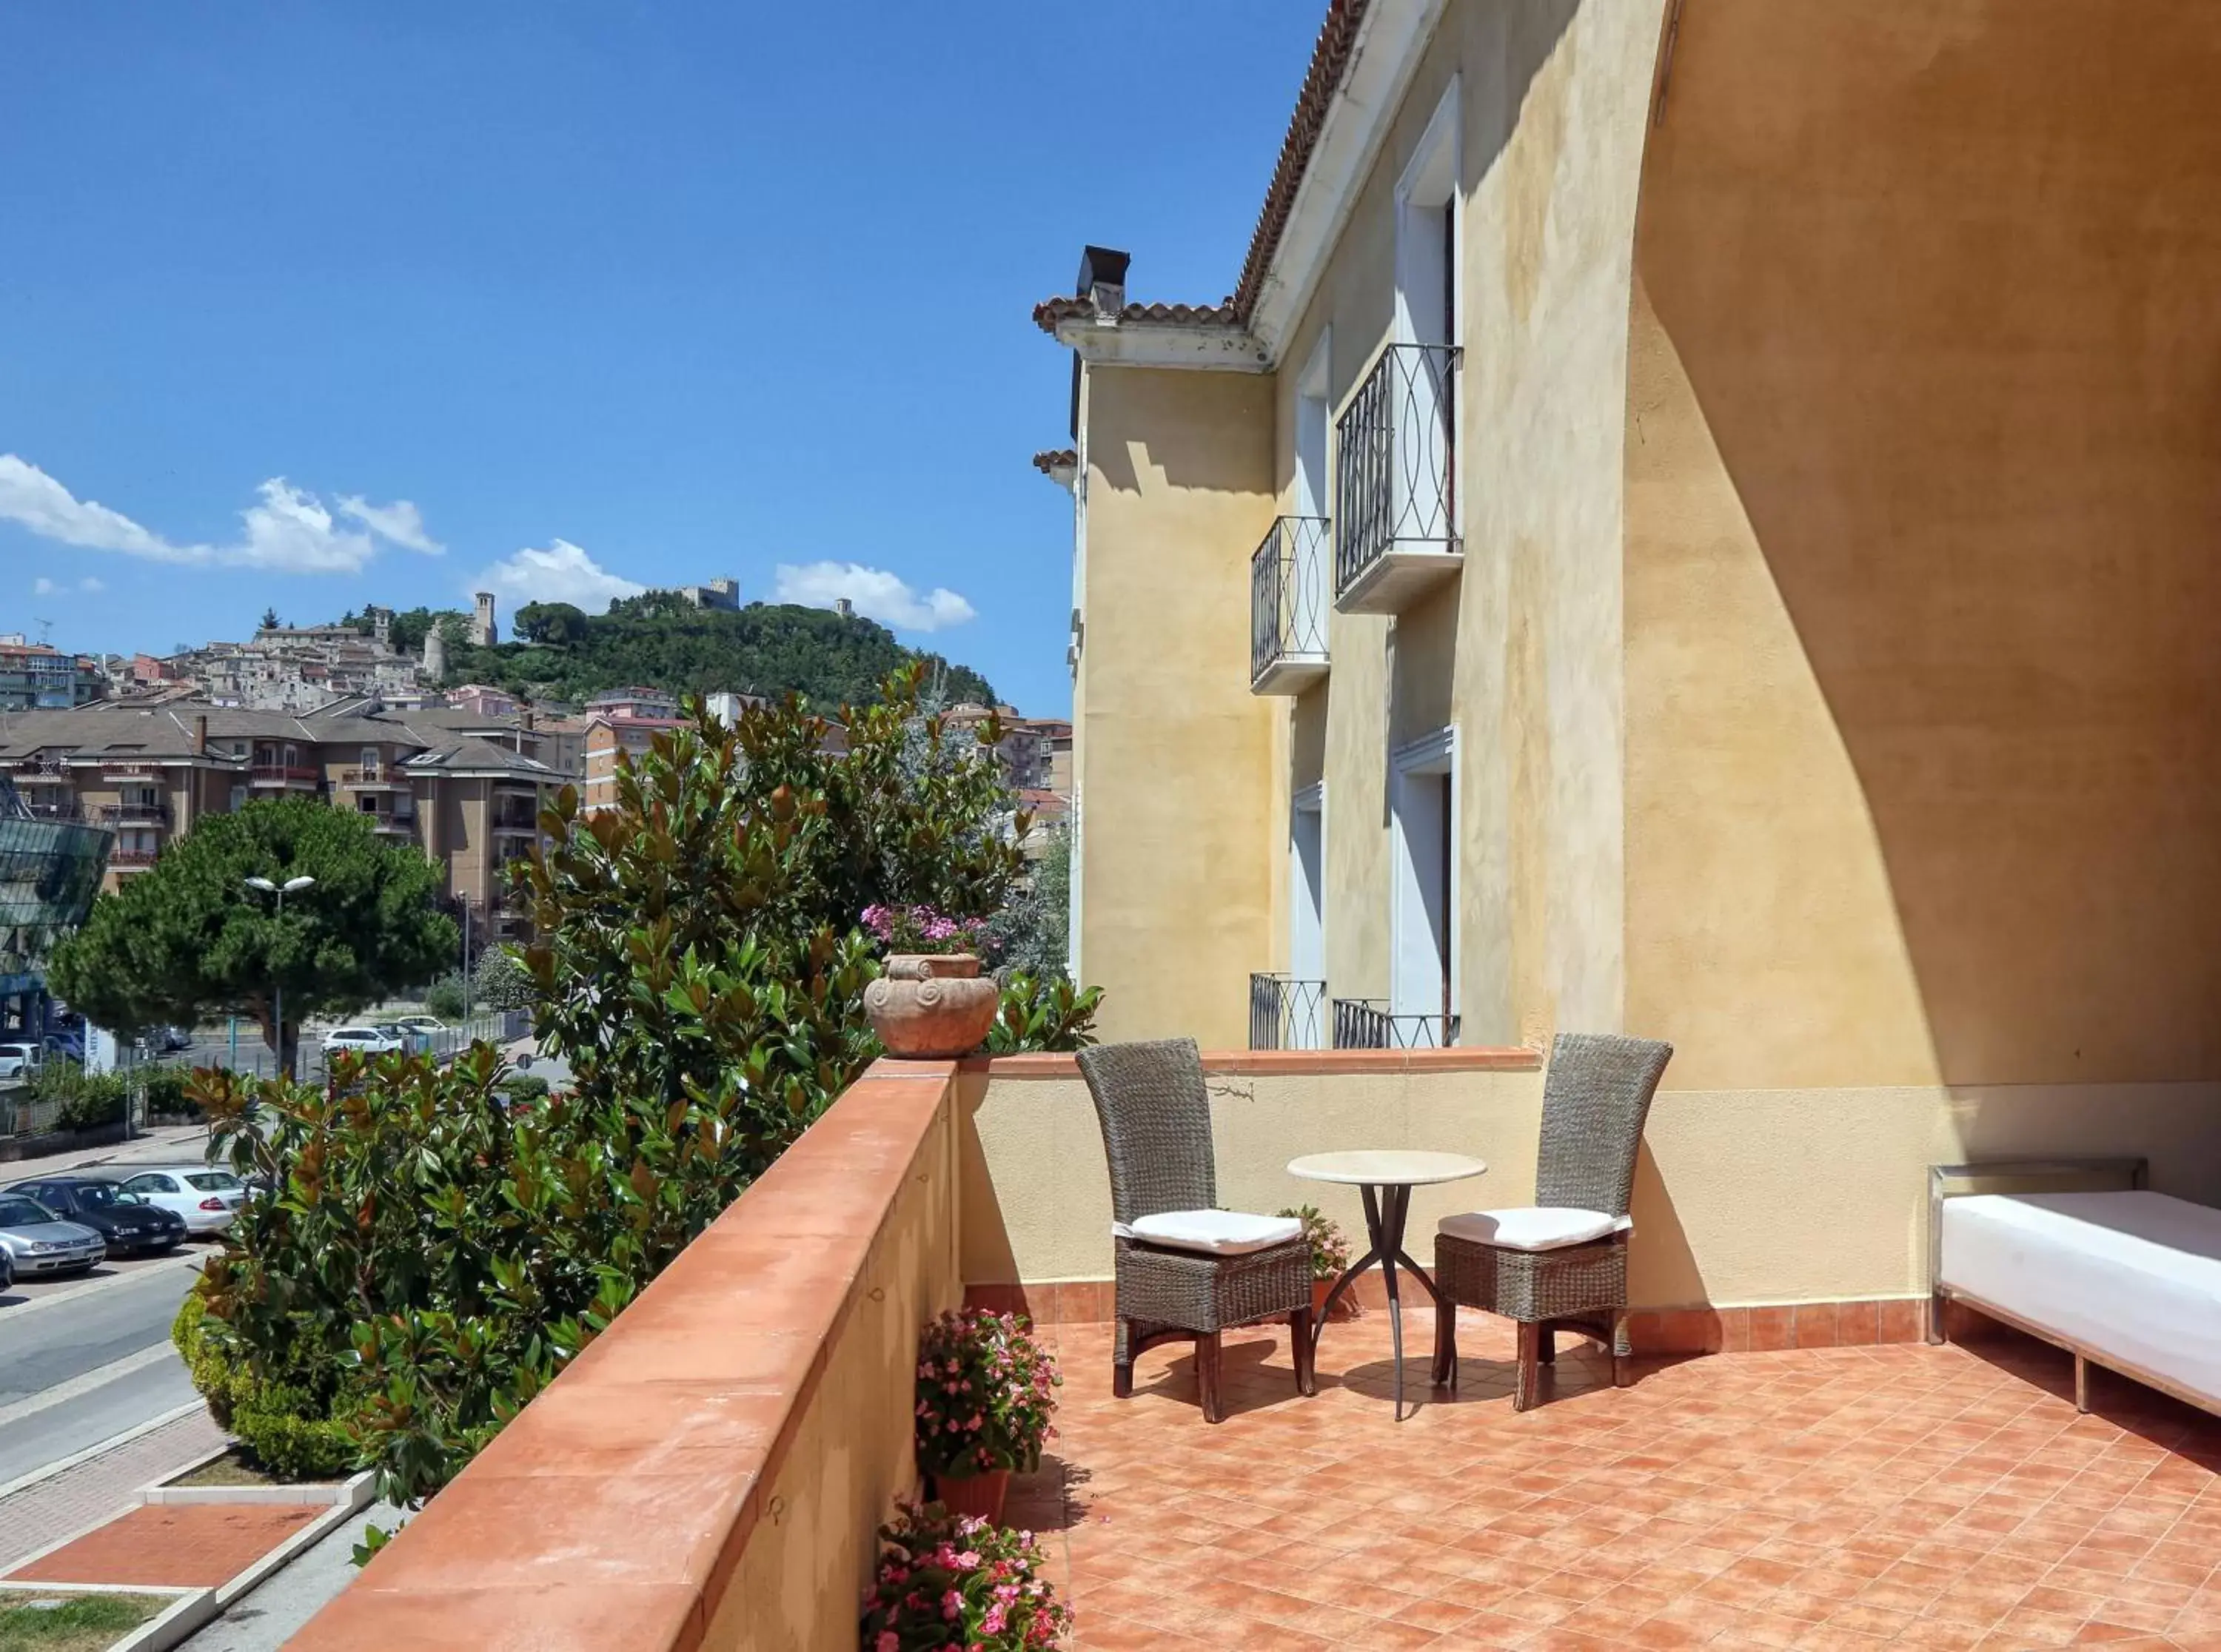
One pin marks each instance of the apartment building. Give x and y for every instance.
(1029, 745)
(469, 797)
(33, 675)
(1695, 519)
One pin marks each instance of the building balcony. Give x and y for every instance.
(132, 860)
(284, 775)
(1368, 1023)
(393, 825)
(1800, 1469)
(1285, 1014)
(28, 774)
(145, 773)
(1288, 607)
(373, 780)
(1395, 477)
(154, 811)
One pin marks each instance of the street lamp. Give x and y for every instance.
(290, 886)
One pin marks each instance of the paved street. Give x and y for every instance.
(80, 1365)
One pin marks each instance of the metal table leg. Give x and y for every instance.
(1387, 1208)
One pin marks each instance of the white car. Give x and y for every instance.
(430, 1026)
(21, 1060)
(414, 1039)
(363, 1041)
(206, 1197)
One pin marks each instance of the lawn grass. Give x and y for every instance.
(82, 1622)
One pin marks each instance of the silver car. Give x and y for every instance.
(39, 1242)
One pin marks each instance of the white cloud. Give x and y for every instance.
(874, 591)
(400, 523)
(289, 531)
(92, 586)
(43, 586)
(562, 573)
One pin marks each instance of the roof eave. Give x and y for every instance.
(1164, 344)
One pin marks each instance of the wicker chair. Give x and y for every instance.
(1156, 1132)
(1560, 1264)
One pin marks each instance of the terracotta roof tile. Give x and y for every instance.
(1330, 58)
(1322, 80)
(1050, 312)
(1050, 460)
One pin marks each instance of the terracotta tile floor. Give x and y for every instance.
(1826, 1498)
(178, 1544)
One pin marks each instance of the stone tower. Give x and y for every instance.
(435, 655)
(484, 632)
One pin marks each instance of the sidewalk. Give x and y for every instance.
(100, 1487)
(161, 1144)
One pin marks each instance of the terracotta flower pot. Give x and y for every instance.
(929, 1007)
(1345, 1309)
(977, 1494)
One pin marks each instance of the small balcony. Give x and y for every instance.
(1395, 476)
(1288, 607)
(284, 775)
(131, 860)
(1368, 1023)
(373, 780)
(149, 811)
(1285, 1014)
(45, 774)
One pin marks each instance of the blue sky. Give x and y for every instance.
(664, 290)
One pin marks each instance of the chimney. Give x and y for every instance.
(200, 736)
(1103, 279)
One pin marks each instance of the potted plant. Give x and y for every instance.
(957, 1582)
(932, 1002)
(1329, 1256)
(983, 1399)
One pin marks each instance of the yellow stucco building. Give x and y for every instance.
(1696, 519)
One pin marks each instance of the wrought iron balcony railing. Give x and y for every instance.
(1285, 1014)
(1366, 1024)
(152, 811)
(1288, 606)
(1395, 480)
(283, 774)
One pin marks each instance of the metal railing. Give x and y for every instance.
(1285, 1014)
(132, 857)
(155, 812)
(1366, 1024)
(1395, 468)
(282, 774)
(1288, 593)
(380, 776)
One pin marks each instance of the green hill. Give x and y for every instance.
(662, 641)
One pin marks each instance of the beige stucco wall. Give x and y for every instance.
(1743, 1197)
(810, 1554)
(1036, 1189)
(1175, 756)
(1522, 652)
(1922, 684)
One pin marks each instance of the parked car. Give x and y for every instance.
(19, 1062)
(170, 1040)
(415, 1040)
(124, 1221)
(363, 1040)
(67, 1044)
(39, 1242)
(205, 1196)
(430, 1026)
(7, 1267)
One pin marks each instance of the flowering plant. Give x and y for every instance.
(960, 1583)
(983, 1394)
(923, 929)
(1329, 1251)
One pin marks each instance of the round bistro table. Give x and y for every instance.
(1385, 1180)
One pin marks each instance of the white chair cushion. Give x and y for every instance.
(1213, 1232)
(1537, 1227)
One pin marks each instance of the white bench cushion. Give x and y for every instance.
(1213, 1232)
(2136, 1275)
(1536, 1227)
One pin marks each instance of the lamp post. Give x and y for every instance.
(290, 886)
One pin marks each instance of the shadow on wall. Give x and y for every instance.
(1940, 274)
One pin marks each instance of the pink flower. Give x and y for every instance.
(951, 1605)
(887, 1641)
